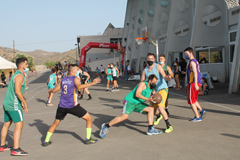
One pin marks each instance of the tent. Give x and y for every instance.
(5, 64)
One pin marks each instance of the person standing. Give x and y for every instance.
(68, 104)
(167, 71)
(194, 83)
(3, 78)
(126, 70)
(51, 83)
(13, 105)
(109, 76)
(85, 78)
(102, 70)
(161, 88)
(176, 74)
(115, 74)
(10, 76)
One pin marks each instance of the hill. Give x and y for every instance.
(41, 56)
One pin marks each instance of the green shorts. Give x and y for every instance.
(128, 107)
(15, 116)
(109, 78)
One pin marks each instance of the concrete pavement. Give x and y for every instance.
(216, 137)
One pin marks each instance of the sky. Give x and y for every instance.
(53, 25)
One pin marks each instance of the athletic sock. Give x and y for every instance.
(159, 115)
(107, 125)
(49, 101)
(88, 133)
(167, 123)
(89, 95)
(48, 136)
(150, 127)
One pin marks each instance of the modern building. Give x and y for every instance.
(97, 56)
(208, 26)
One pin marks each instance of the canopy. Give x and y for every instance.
(5, 64)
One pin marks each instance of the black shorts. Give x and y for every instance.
(103, 72)
(115, 78)
(76, 111)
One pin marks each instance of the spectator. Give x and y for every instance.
(204, 89)
(97, 72)
(176, 74)
(3, 78)
(183, 66)
(10, 76)
(144, 65)
(89, 69)
(65, 65)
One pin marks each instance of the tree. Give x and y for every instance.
(30, 60)
(50, 64)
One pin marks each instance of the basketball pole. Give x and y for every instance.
(157, 52)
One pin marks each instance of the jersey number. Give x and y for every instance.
(65, 89)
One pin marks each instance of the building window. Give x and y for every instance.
(233, 36)
(232, 47)
(209, 55)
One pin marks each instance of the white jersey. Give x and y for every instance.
(102, 69)
(114, 72)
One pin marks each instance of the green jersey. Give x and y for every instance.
(131, 97)
(11, 101)
(165, 69)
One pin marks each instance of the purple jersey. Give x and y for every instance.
(190, 74)
(68, 97)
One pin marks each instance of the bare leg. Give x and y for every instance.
(17, 134)
(4, 132)
(108, 84)
(88, 119)
(118, 119)
(198, 106)
(50, 97)
(163, 112)
(54, 125)
(150, 111)
(86, 90)
(195, 111)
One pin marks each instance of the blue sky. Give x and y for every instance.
(53, 25)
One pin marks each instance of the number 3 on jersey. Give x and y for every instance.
(65, 89)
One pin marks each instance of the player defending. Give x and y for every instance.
(134, 101)
(167, 71)
(13, 105)
(194, 83)
(68, 103)
(51, 82)
(161, 88)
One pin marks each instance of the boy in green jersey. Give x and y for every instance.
(134, 101)
(13, 105)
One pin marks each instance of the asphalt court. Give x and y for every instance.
(216, 137)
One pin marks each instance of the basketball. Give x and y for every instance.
(157, 98)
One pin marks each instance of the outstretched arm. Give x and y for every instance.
(82, 86)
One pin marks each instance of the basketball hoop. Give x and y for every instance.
(232, 3)
(141, 40)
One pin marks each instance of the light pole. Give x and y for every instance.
(76, 52)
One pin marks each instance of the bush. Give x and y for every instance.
(50, 64)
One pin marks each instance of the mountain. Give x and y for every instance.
(41, 56)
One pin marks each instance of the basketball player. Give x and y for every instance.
(194, 83)
(109, 76)
(51, 82)
(115, 74)
(85, 78)
(68, 104)
(134, 101)
(161, 88)
(13, 105)
(168, 71)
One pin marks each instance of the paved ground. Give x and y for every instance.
(216, 137)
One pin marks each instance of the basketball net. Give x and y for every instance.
(140, 40)
(232, 3)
